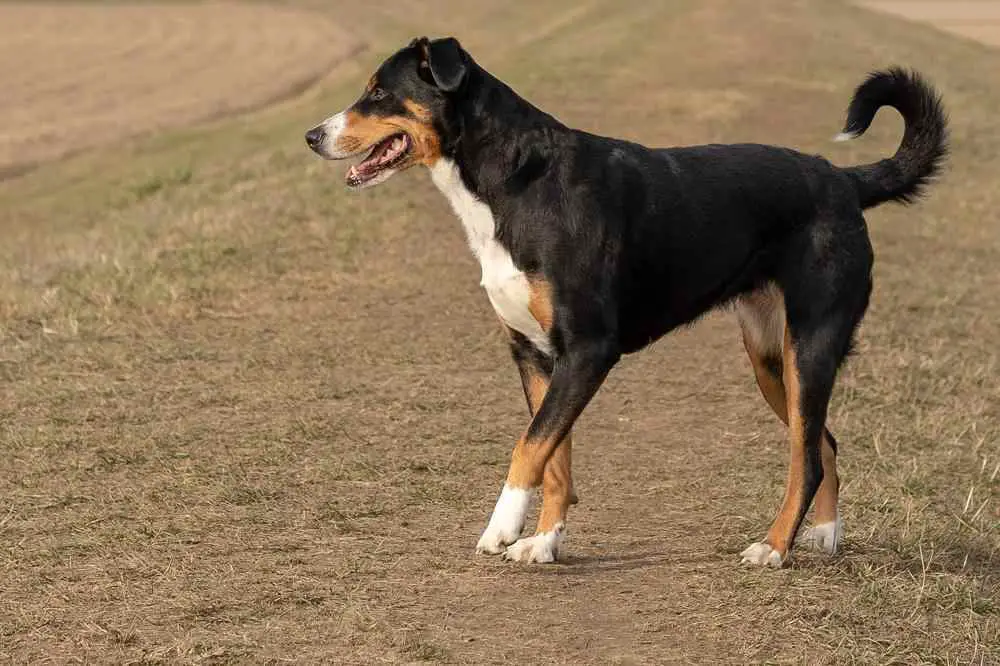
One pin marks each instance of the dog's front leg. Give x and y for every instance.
(577, 374)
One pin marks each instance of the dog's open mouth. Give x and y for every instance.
(382, 159)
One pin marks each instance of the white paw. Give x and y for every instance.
(762, 555)
(824, 537)
(541, 548)
(506, 522)
(494, 541)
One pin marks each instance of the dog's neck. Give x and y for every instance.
(489, 146)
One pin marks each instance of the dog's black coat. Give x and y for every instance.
(638, 241)
(634, 242)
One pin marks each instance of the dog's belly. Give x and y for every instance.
(507, 286)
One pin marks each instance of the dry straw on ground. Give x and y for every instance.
(247, 417)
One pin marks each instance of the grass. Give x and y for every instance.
(248, 417)
(130, 70)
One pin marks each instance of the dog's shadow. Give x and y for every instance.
(632, 561)
(961, 557)
(614, 561)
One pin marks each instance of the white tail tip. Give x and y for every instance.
(845, 136)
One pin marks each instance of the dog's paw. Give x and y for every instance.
(762, 555)
(495, 541)
(506, 521)
(824, 537)
(539, 549)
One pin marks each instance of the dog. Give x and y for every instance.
(593, 247)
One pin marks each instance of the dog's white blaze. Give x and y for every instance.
(507, 520)
(333, 127)
(506, 286)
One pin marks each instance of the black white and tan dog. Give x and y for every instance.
(593, 247)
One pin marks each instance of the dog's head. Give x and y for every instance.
(398, 120)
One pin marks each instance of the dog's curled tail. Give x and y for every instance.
(921, 154)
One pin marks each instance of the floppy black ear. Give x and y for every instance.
(446, 62)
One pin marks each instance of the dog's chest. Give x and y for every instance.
(508, 288)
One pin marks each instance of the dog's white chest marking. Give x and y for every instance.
(507, 287)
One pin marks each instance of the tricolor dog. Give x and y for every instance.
(592, 247)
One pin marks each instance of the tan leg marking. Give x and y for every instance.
(546, 462)
(771, 385)
(825, 502)
(540, 303)
(528, 462)
(773, 389)
(782, 530)
(557, 479)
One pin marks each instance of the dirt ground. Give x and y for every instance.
(975, 19)
(249, 417)
(76, 76)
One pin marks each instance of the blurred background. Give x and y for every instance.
(249, 417)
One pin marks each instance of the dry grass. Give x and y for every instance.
(247, 417)
(76, 76)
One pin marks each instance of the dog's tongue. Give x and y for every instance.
(381, 155)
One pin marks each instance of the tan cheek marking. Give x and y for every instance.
(362, 131)
(426, 142)
(349, 140)
(419, 111)
(540, 302)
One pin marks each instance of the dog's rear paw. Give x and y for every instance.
(761, 554)
(539, 549)
(824, 537)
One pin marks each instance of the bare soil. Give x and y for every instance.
(249, 417)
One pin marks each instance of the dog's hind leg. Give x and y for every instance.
(795, 373)
(762, 320)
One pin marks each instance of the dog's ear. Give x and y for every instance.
(444, 61)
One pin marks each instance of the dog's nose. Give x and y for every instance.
(315, 136)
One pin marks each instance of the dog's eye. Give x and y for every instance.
(376, 94)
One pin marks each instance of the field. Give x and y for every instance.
(78, 76)
(976, 19)
(249, 417)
